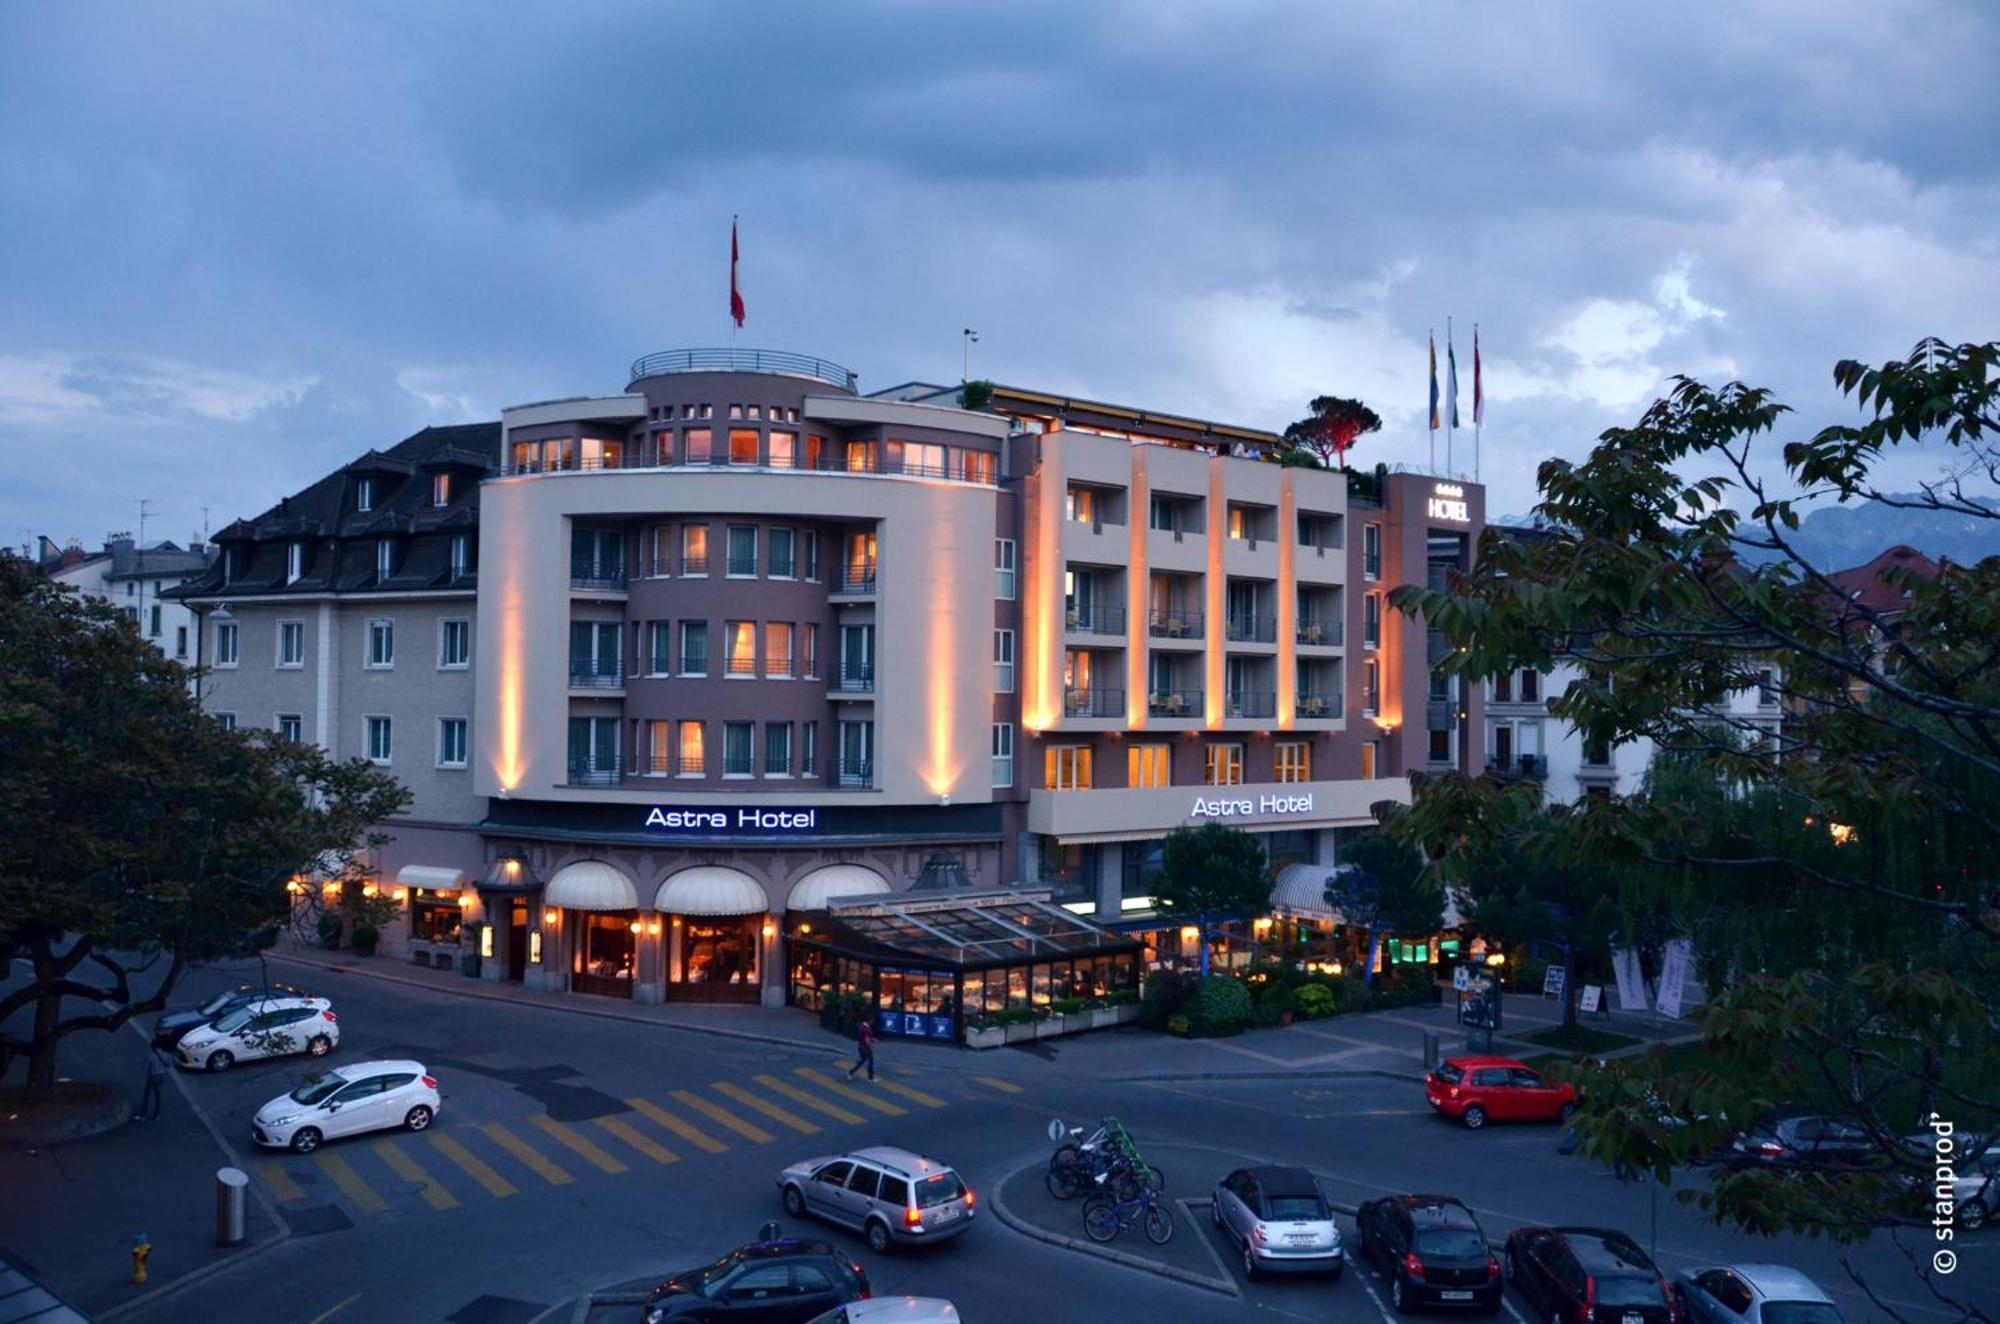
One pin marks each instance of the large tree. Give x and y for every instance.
(1384, 888)
(1847, 862)
(141, 836)
(1210, 875)
(1333, 426)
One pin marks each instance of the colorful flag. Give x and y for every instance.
(1478, 387)
(1434, 384)
(735, 296)
(1451, 378)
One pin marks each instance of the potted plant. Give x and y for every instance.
(1073, 1013)
(1020, 1023)
(365, 938)
(329, 930)
(984, 1031)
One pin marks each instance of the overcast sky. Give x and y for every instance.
(241, 244)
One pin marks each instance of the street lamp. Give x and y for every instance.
(966, 340)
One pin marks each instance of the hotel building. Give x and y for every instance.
(739, 641)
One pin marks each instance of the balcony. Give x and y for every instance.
(854, 776)
(1533, 767)
(1320, 705)
(1094, 702)
(1322, 630)
(597, 773)
(855, 680)
(597, 578)
(1174, 703)
(1250, 703)
(586, 675)
(857, 577)
(740, 667)
(1095, 620)
(1175, 623)
(1243, 628)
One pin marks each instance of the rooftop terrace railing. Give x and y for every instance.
(743, 360)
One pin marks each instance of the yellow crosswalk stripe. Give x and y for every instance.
(722, 1116)
(770, 1110)
(797, 1095)
(1004, 1086)
(410, 1170)
(910, 1093)
(473, 1166)
(280, 1182)
(632, 1136)
(519, 1148)
(350, 1183)
(700, 1139)
(577, 1144)
(882, 1106)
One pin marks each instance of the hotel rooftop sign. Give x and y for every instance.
(1447, 502)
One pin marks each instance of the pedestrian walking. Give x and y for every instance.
(156, 1080)
(864, 1041)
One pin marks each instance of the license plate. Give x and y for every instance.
(1456, 1296)
(1633, 1319)
(1299, 1241)
(946, 1215)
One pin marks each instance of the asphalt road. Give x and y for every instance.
(574, 1152)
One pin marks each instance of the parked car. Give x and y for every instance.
(1975, 1186)
(1281, 1221)
(890, 1196)
(892, 1310)
(167, 1031)
(1476, 1090)
(777, 1281)
(367, 1096)
(1801, 1139)
(1753, 1294)
(1432, 1251)
(1576, 1275)
(268, 1027)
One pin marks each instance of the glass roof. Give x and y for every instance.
(972, 934)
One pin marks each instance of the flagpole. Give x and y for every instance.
(1430, 334)
(1478, 403)
(1451, 394)
(732, 287)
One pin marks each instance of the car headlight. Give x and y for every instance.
(283, 1121)
(654, 1314)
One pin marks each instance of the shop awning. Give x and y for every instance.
(590, 885)
(1300, 890)
(813, 891)
(711, 889)
(430, 876)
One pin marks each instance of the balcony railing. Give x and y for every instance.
(1245, 628)
(1095, 620)
(596, 577)
(1321, 704)
(855, 680)
(745, 766)
(1535, 767)
(857, 578)
(859, 776)
(1319, 630)
(584, 675)
(690, 765)
(743, 567)
(1175, 623)
(1174, 703)
(595, 773)
(1095, 702)
(742, 360)
(960, 466)
(1250, 703)
(740, 666)
(694, 563)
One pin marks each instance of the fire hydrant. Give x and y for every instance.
(141, 1248)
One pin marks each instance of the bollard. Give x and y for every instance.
(141, 1248)
(232, 1189)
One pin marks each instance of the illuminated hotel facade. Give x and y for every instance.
(746, 640)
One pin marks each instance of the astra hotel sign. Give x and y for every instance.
(1220, 807)
(746, 821)
(1447, 501)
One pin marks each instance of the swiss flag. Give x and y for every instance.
(735, 295)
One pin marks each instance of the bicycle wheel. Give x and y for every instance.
(1159, 1225)
(1065, 1176)
(1152, 1179)
(1100, 1219)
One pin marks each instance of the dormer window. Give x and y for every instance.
(295, 562)
(385, 559)
(441, 489)
(229, 565)
(364, 495)
(461, 555)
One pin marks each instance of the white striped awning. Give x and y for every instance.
(590, 885)
(813, 891)
(431, 877)
(711, 889)
(1300, 889)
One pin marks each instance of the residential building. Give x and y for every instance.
(135, 580)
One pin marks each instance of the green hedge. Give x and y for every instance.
(1220, 1005)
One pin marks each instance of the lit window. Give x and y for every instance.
(694, 550)
(1080, 504)
(1068, 767)
(1222, 765)
(700, 444)
(743, 445)
(742, 659)
(1294, 761)
(1370, 751)
(778, 649)
(979, 466)
(440, 489)
(1148, 766)
(690, 759)
(783, 449)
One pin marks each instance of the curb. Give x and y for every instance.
(600, 1013)
(1330, 1074)
(1220, 1286)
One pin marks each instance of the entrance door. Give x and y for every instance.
(517, 938)
(1503, 747)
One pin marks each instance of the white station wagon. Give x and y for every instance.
(269, 1027)
(367, 1096)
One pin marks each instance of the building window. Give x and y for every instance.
(694, 550)
(1440, 747)
(1222, 765)
(1294, 761)
(593, 749)
(743, 445)
(811, 557)
(1371, 620)
(225, 643)
(809, 651)
(180, 641)
(777, 749)
(694, 648)
(1503, 687)
(379, 744)
(291, 643)
(228, 565)
(783, 449)
(364, 495)
(381, 644)
(1371, 687)
(659, 549)
(435, 916)
(859, 457)
(1370, 753)
(809, 749)
(295, 563)
(461, 555)
(1080, 504)
(1003, 754)
(227, 721)
(385, 559)
(659, 747)
(454, 644)
(440, 490)
(1371, 551)
(690, 759)
(1068, 767)
(742, 659)
(857, 754)
(1005, 569)
(291, 727)
(778, 650)
(451, 742)
(978, 466)
(784, 559)
(742, 551)
(596, 654)
(1003, 661)
(700, 444)
(1531, 687)
(1149, 766)
(659, 647)
(737, 741)
(153, 621)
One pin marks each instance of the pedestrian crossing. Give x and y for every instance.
(460, 1160)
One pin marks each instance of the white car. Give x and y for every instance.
(892, 1310)
(367, 1096)
(269, 1027)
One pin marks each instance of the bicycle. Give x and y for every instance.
(1104, 1216)
(1107, 1155)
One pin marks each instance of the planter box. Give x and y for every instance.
(1101, 1017)
(992, 1036)
(1049, 1027)
(1125, 1015)
(1023, 1032)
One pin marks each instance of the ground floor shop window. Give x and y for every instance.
(606, 955)
(718, 958)
(435, 916)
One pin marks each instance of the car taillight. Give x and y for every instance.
(1770, 1149)
(913, 1217)
(969, 1197)
(1454, 1091)
(1413, 1266)
(1667, 1295)
(1589, 1299)
(1492, 1269)
(430, 1082)
(329, 1015)
(1257, 1235)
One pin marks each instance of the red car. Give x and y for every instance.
(1475, 1090)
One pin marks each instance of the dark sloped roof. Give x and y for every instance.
(1868, 586)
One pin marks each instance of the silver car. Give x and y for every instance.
(1281, 1220)
(1753, 1294)
(890, 1196)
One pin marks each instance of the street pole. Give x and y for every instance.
(966, 340)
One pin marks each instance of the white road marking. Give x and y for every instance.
(1379, 1307)
(1512, 1309)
